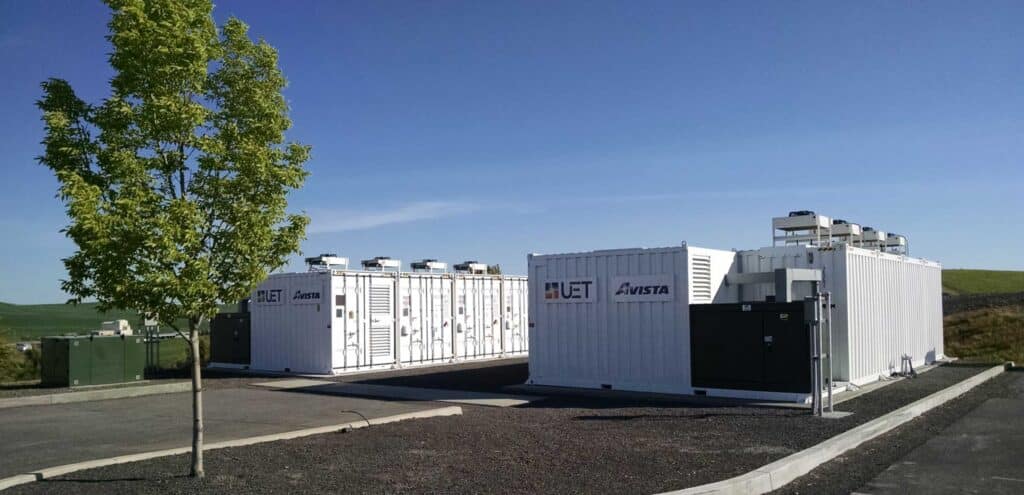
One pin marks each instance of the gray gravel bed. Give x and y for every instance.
(558, 445)
(851, 471)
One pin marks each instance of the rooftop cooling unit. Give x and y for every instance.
(428, 265)
(471, 267)
(872, 238)
(802, 227)
(843, 231)
(382, 263)
(326, 262)
(897, 244)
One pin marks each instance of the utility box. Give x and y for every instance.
(230, 338)
(92, 360)
(754, 346)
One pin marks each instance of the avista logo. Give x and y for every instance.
(640, 290)
(305, 296)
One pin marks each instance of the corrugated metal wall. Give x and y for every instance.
(595, 342)
(895, 309)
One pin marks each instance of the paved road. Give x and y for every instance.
(46, 436)
(980, 453)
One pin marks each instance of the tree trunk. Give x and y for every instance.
(197, 402)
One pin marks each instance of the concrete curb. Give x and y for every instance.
(777, 474)
(55, 471)
(91, 395)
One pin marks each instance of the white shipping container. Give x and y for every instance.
(619, 319)
(291, 323)
(331, 322)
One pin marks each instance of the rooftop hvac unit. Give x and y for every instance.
(895, 243)
(428, 265)
(802, 227)
(326, 262)
(843, 231)
(471, 267)
(872, 238)
(382, 263)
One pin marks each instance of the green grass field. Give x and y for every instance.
(981, 281)
(31, 321)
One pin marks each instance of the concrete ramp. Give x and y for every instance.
(399, 393)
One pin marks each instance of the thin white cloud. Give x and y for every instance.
(326, 221)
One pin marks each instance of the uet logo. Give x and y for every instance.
(641, 290)
(569, 290)
(268, 296)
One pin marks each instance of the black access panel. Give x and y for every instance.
(230, 338)
(750, 346)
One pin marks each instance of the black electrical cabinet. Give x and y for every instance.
(230, 338)
(750, 346)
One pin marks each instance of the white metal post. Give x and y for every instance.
(828, 312)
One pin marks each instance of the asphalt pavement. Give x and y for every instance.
(38, 437)
(979, 453)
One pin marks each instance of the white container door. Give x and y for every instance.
(477, 317)
(344, 328)
(410, 333)
(464, 337)
(490, 299)
(425, 333)
(381, 302)
(514, 331)
(439, 319)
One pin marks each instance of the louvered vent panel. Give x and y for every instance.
(380, 333)
(380, 299)
(700, 279)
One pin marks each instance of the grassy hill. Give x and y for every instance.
(31, 321)
(988, 335)
(982, 281)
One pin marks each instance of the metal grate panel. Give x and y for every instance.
(380, 299)
(380, 341)
(701, 281)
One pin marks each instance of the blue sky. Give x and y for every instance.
(488, 130)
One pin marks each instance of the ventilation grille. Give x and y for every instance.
(380, 299)
(700, 281)
(380, 329)
(380, 341)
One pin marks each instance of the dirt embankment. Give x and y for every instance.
(952, 304)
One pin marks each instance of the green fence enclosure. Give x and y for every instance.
(92, 360)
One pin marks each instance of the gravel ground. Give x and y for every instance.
(854, 469)
(970, 302)
(559, 445)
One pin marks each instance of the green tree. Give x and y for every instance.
(176, 184)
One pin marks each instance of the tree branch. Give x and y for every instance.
(182, 335)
